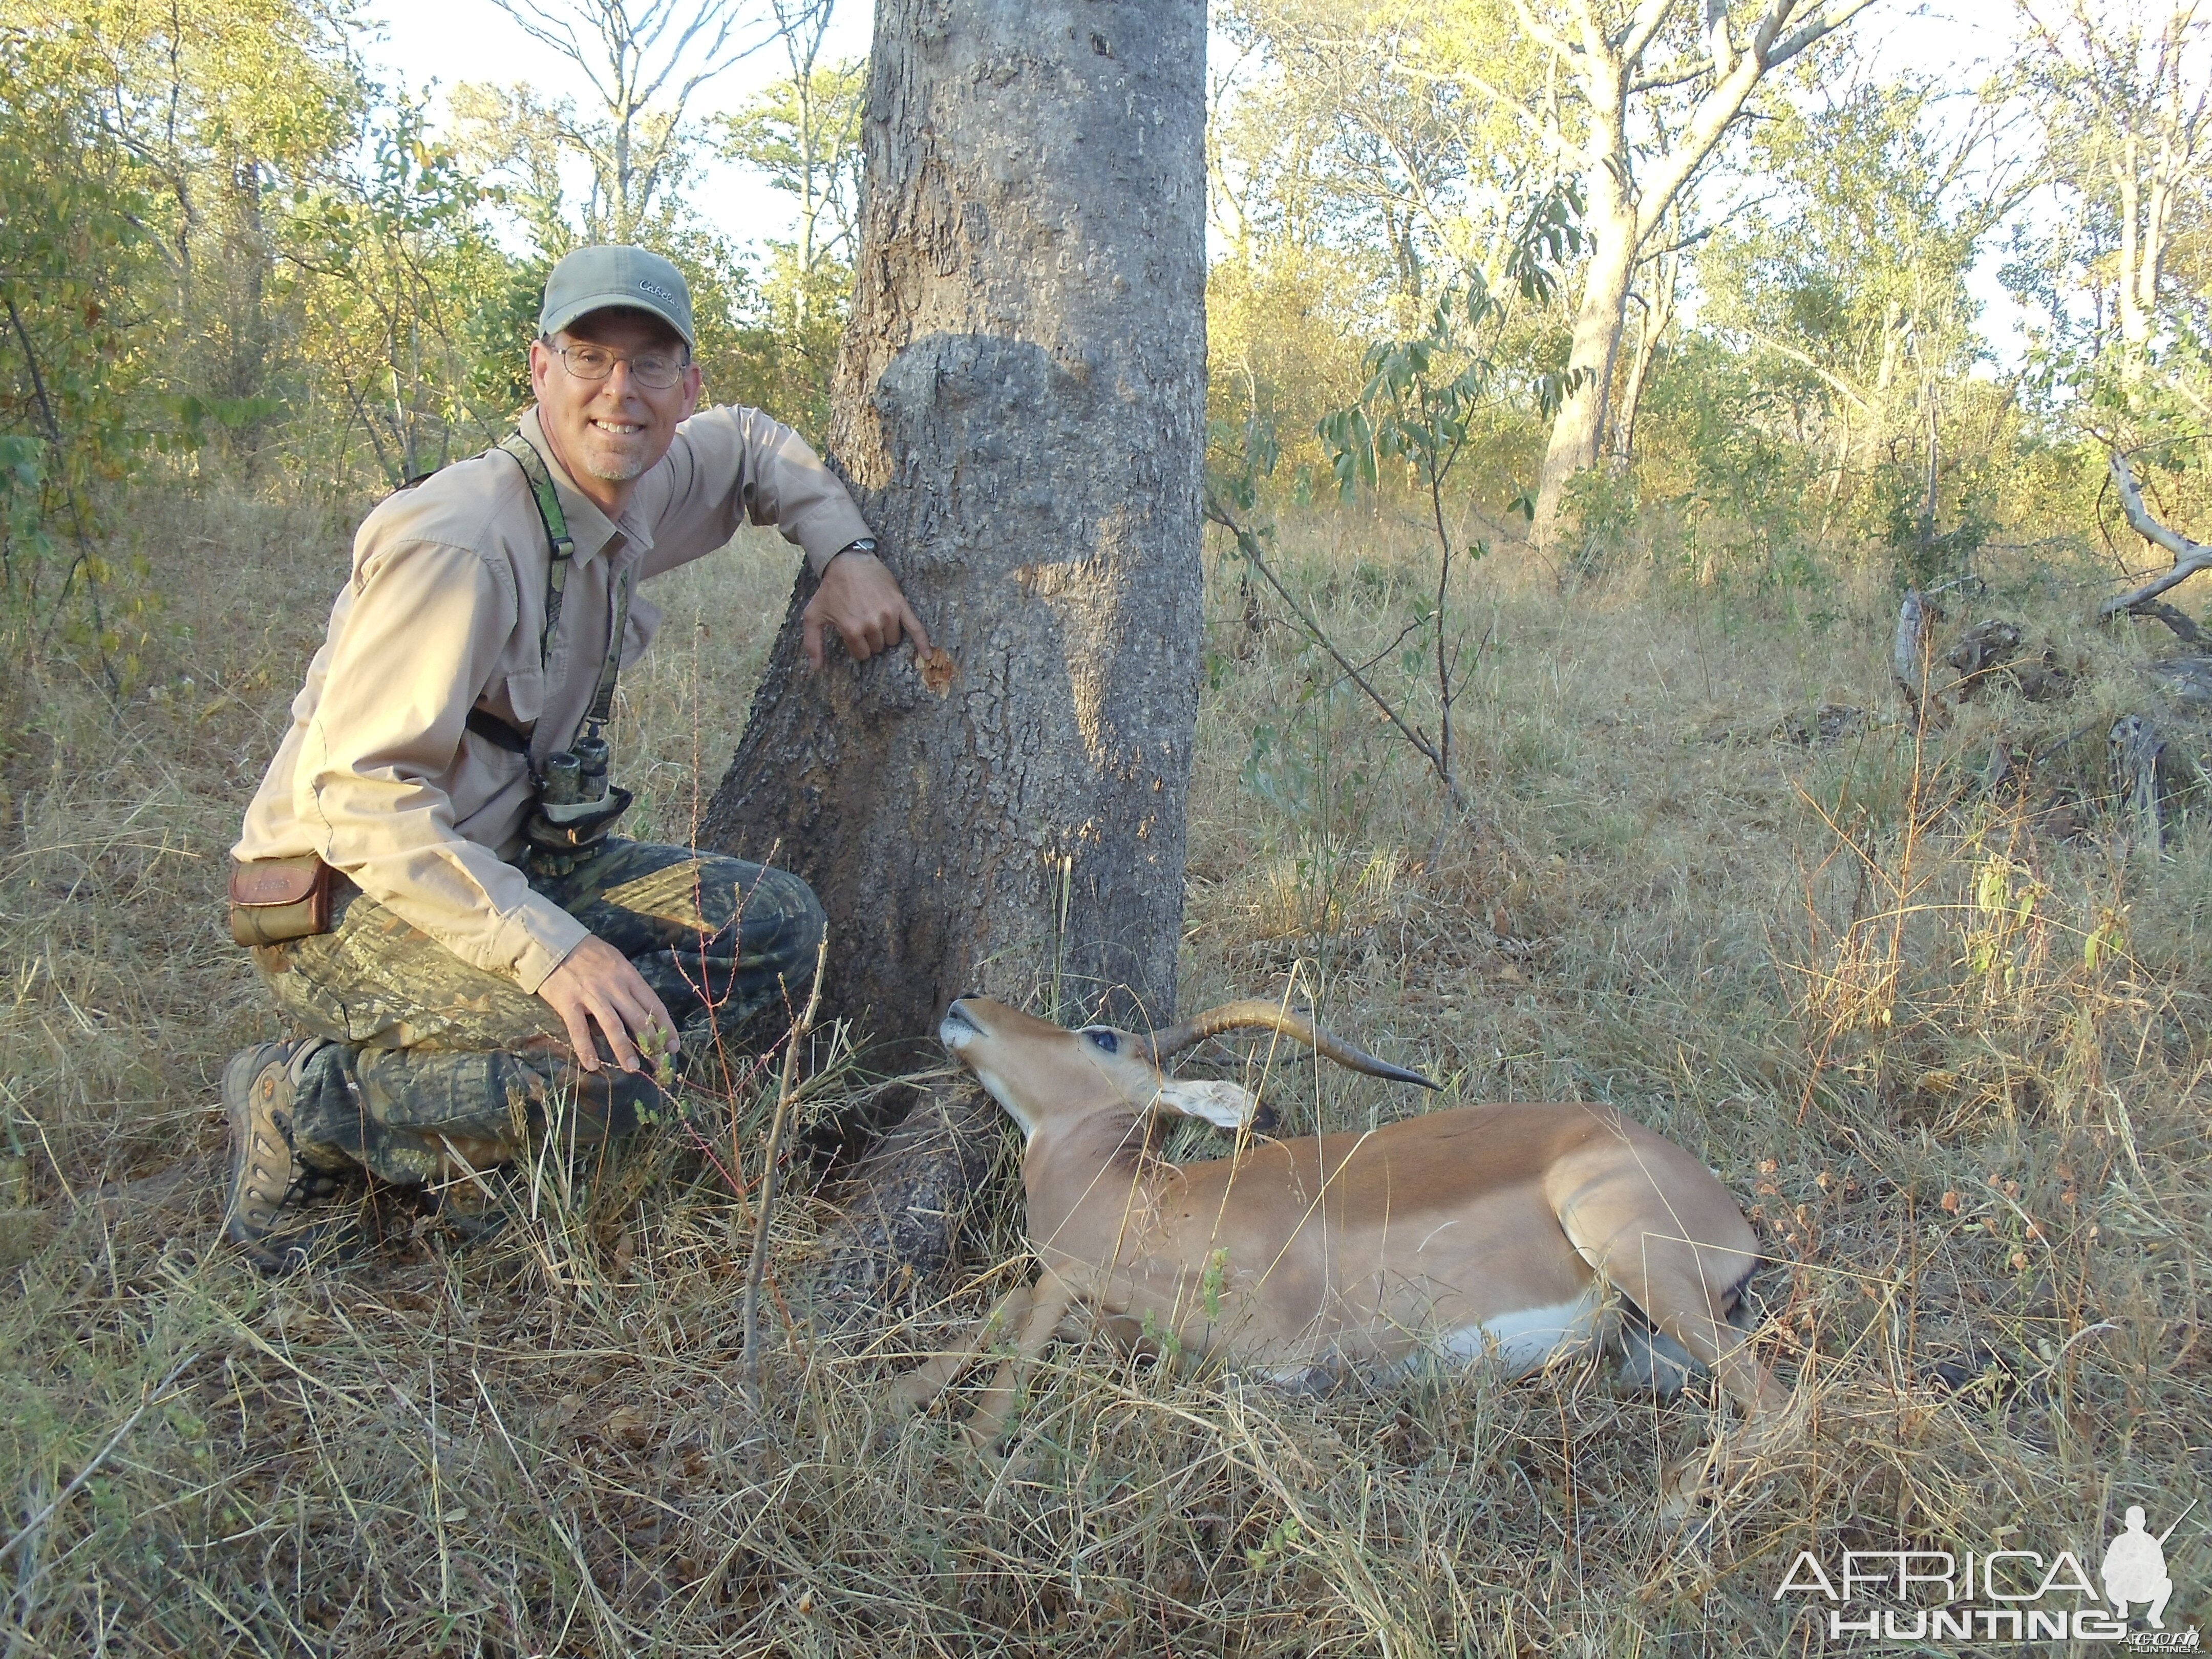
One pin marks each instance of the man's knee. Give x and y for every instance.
(784, 923)
(375, 982)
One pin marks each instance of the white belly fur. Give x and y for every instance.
(1529, 1338)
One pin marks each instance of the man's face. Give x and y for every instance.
(609, 432)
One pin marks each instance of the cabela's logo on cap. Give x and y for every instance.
(1933, 1596)
(655, 288)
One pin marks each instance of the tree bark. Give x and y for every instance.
(1019, 410)
(1580, 428)
(1658, 318)
(907, 1207)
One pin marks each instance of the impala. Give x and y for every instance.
(1528, 1232)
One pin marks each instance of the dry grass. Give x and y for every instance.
(1971, 1141)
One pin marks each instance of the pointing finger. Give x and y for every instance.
(915, 630)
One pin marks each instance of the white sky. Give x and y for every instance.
(446, 42)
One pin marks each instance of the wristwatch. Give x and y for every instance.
(860, 545)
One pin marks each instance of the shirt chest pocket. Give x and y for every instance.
(514, 704)
(524, 695)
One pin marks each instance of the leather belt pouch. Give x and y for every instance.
(276, 900)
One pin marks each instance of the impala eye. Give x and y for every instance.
(1100, 1037)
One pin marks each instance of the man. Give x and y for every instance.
(479, 963)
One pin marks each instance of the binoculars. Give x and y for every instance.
(576, 807)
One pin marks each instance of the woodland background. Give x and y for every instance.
(234, 258)
(1929, 992)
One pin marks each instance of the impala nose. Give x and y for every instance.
(956, 1029)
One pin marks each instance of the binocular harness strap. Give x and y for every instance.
(525, 456)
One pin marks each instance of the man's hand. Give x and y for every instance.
(596, 984)
(860, 598)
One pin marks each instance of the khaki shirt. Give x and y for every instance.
(380, 775)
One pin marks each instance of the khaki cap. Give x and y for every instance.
(597, 279)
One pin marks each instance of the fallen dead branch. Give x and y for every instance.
(2189, 556)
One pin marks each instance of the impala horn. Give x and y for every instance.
(1266, 1015)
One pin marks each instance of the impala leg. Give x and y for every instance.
(1683, 1306)
(1047, 1307)
(1687, 1290)
(1725, 1350)
(925, 1382)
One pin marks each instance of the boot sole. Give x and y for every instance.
(271, 1252)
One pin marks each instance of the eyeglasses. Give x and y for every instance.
(656, 369)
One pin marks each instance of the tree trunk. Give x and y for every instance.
(1019, 410)
(1578, 430)
(1606, 58)
(1658, 317)
(2135, 318)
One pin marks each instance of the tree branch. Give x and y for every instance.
(1248, 544)
(1551, 41)
(1645, 255)
(555, 32)
(1642, 29)
(1834, 382)
(1812, 30)
(2184, 626)
(1717, 110)
(2189, 556)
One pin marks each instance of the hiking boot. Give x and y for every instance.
(269, 1181)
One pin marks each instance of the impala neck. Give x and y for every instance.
(1064, 1162)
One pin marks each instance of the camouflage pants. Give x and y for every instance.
(433, 1059)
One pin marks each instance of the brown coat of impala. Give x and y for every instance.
(1501, 1229)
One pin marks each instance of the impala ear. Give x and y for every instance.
(1224, 1105)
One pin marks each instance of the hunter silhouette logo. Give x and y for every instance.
(2134, 1569)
